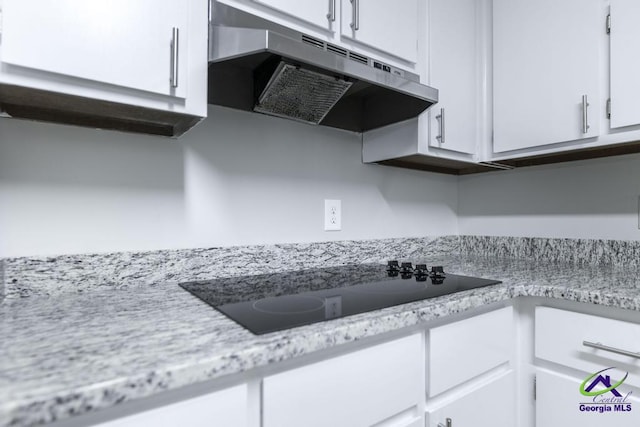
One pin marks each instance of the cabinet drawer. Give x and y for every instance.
(491, 405)
(462, 350)
(224, 408)
(560, 335)
(358, 389)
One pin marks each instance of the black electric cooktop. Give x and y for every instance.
(272, 302)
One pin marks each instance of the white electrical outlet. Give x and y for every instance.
(332, 215)
(333, 307)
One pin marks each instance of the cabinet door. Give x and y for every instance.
(223, 408)
(560, 404)
(318, 12)
(364, 388)
(625, 63)
(545, 58)
(454, 71)
(118, 42)
(467, 348)
(391, 27)
(492, 405)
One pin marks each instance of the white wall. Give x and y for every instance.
(595, 199)
(241, 178)
(237, 178)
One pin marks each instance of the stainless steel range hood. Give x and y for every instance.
(255, 65)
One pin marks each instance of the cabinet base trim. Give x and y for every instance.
(35, 104)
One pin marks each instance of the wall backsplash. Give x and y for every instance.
(236, 179)
(590, 199)
(2, 280)
(246, 179)
(619, 253)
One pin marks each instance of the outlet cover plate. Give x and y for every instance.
(332, 215)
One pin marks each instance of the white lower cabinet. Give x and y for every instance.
(381, 385)
(462, 350)
(576, 343)
(225, 408)
(469, 364)
(559, 403)
(475, 372)
(585, 380)
(489, 405)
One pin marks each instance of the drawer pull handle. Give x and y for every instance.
(599, 346)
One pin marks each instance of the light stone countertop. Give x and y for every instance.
(68, 354)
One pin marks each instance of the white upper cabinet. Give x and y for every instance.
(118, 42)
(390, 27)
(384, 30)
(320, 13)
(625, 62)
(456, 38)
(137, 66)
(454, 69)
(546, 60)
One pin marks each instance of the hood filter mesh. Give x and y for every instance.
(300, 94)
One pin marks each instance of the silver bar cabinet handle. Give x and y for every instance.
(585, 114)
(449, 423)
(331, 16)
(355, 21)
(440, 118)
(599, 346)
(175, 41)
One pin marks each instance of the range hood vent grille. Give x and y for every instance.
(313, 42)
(300, 94)
(358, 58)
(337, 50)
